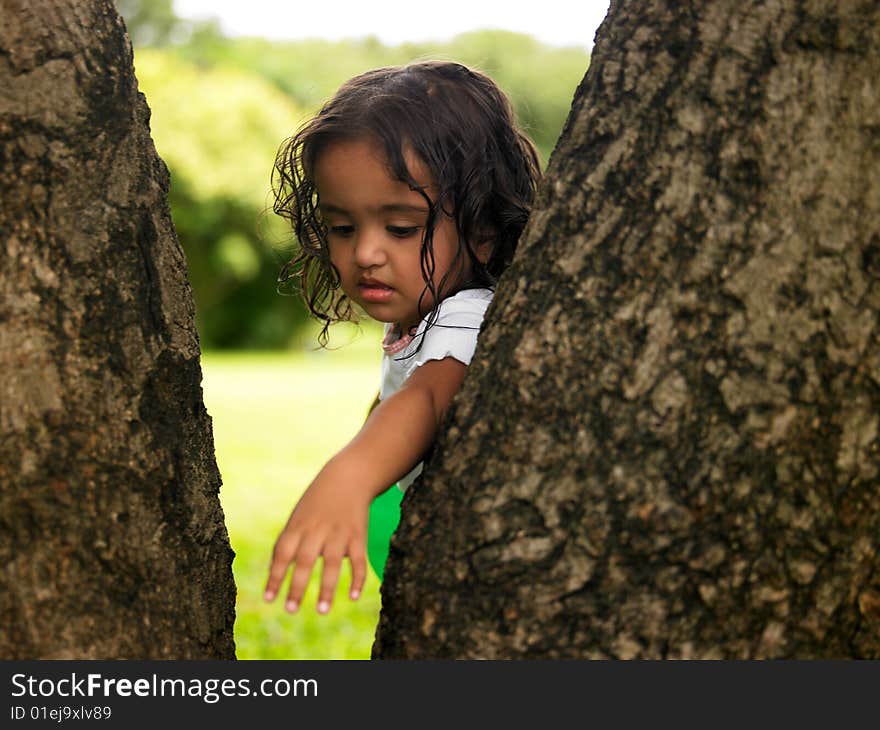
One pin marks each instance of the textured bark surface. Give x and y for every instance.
(667, 444)
(112, 541)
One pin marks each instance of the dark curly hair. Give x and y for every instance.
(460, 124)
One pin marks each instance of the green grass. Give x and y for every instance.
(277, 418)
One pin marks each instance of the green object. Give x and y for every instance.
(384, 516)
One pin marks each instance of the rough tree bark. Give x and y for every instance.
(112, 541)
(667, 445)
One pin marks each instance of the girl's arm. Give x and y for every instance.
(330, 519)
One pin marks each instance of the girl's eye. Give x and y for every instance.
(341, 230)
(403, 231)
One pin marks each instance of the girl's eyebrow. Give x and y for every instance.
(390, 208)
(403, 208)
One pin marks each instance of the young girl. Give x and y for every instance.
(407, 193)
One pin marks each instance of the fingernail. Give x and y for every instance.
(355, 595)
(291, 606)
(269, 595)
(323, 607)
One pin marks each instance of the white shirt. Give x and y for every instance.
(453, 334)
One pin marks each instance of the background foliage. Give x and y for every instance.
(221, 108)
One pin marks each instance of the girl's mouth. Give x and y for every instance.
(375, 292)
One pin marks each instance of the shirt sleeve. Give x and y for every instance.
(454, 334)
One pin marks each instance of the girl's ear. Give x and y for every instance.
(483, 250)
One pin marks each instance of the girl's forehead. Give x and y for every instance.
(366, 155)
(355, 176)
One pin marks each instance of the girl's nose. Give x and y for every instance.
(369, 248)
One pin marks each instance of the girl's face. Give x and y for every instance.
(375, 226)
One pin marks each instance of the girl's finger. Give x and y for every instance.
(357, 556)
(285, 549)
(304, 560)
(330, 576)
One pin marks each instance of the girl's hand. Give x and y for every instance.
(330, 520)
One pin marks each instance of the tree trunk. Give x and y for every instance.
(112, 538)
(667, 444)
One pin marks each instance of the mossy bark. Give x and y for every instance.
(112, 538)
(667, 444)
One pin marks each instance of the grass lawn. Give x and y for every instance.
(277, 418)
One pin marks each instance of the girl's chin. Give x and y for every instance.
(391, 315)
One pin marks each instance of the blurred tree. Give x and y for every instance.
(218, 129)
(149, 22)
(539, 78)
(668, 442)
(112, 537)
(153, 24)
